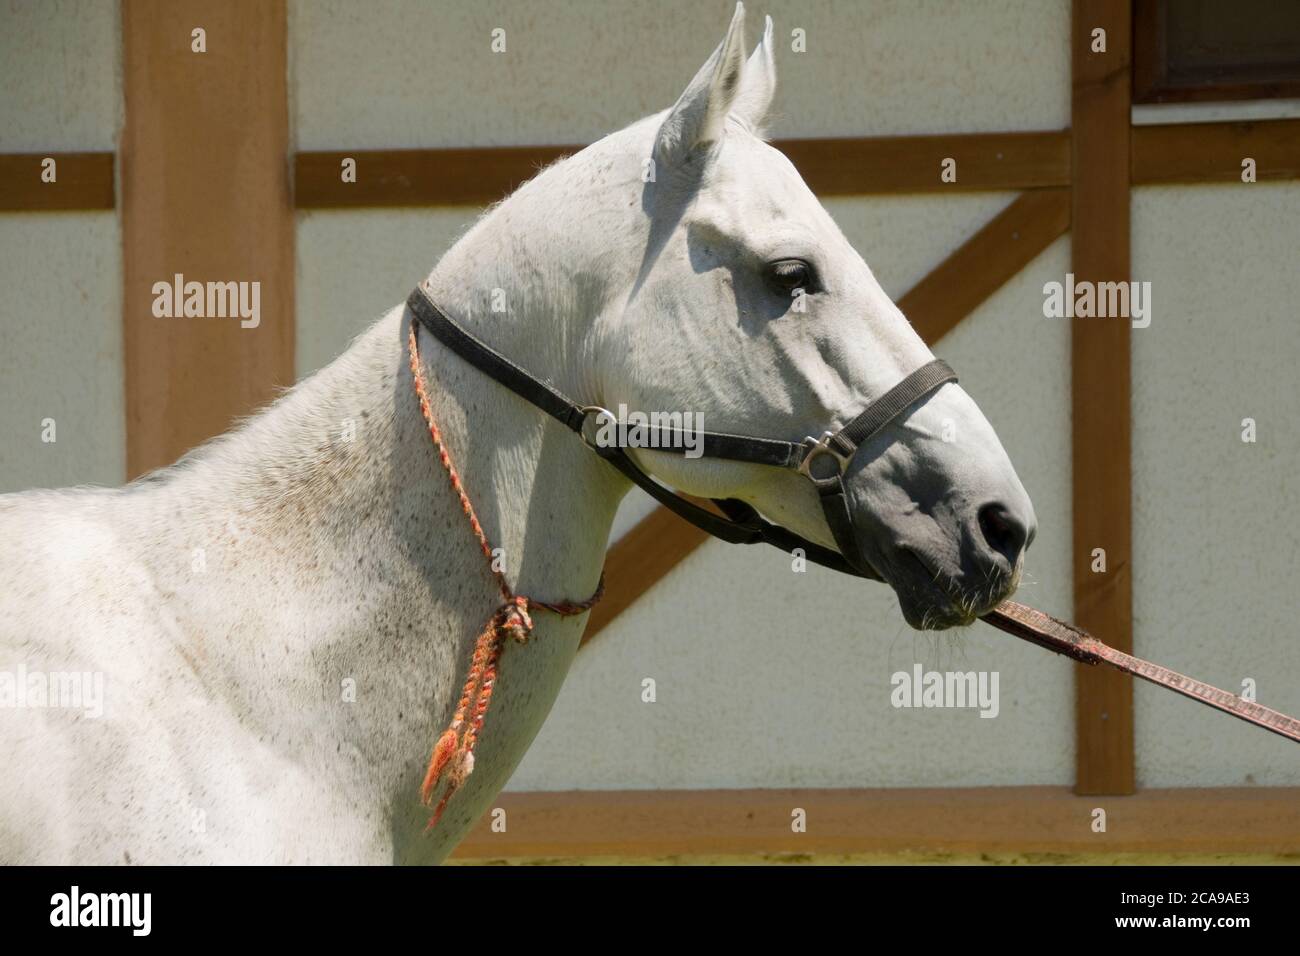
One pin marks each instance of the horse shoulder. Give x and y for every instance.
(76, 607)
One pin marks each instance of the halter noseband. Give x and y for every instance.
(823, 461)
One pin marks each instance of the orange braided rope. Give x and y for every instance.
(453, 754)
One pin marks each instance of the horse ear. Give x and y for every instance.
(759, 84)
(701, 111)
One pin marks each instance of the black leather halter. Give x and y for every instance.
(823, 460)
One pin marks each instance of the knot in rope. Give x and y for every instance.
(515, 619)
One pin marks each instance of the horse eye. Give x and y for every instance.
(786, 275)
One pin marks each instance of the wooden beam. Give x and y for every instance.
(831, 167)
(983, 820)
(418, 177)
(1212, 152)
(205, 194)
(951, 291)
(83, 181)
(1186, 153)
(1103, 601)
(861, 166)
(1177, 153)
(638, 561)
(983, 264)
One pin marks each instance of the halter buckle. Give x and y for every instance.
(816, 448)
(598, 411)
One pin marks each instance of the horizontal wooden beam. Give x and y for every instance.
(418, 177)
(985, 262)
(1175, 153)
(847, 166)
(831, 167)
(860, 166)
(82, 181)
(1213, 152)
(984, 820)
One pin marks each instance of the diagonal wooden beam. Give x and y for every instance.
(645, 554)
(977, 269)
(1010, 241)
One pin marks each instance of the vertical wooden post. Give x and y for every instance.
(1100, 391)
(205, 194)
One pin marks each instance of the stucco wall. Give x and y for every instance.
(1215, 556)
(61, 272)
(414, 73)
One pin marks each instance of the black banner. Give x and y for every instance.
(481, 905)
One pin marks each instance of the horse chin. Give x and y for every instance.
(926, 607)
(923, 597)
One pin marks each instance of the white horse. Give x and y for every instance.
(283, 619)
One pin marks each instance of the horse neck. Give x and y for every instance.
(532, 279)
(529, 280)
(329, 517)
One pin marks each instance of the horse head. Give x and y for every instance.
(750, 308)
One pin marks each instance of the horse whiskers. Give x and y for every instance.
(971, 604)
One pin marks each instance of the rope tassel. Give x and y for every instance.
(453, 753)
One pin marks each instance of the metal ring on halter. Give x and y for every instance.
(597, 410)
(816, 448)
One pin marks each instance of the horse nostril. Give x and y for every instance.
(1005, 533)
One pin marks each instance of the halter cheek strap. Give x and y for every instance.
(823, 461)
(832, 453)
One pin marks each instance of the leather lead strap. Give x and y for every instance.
(1034, 626)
